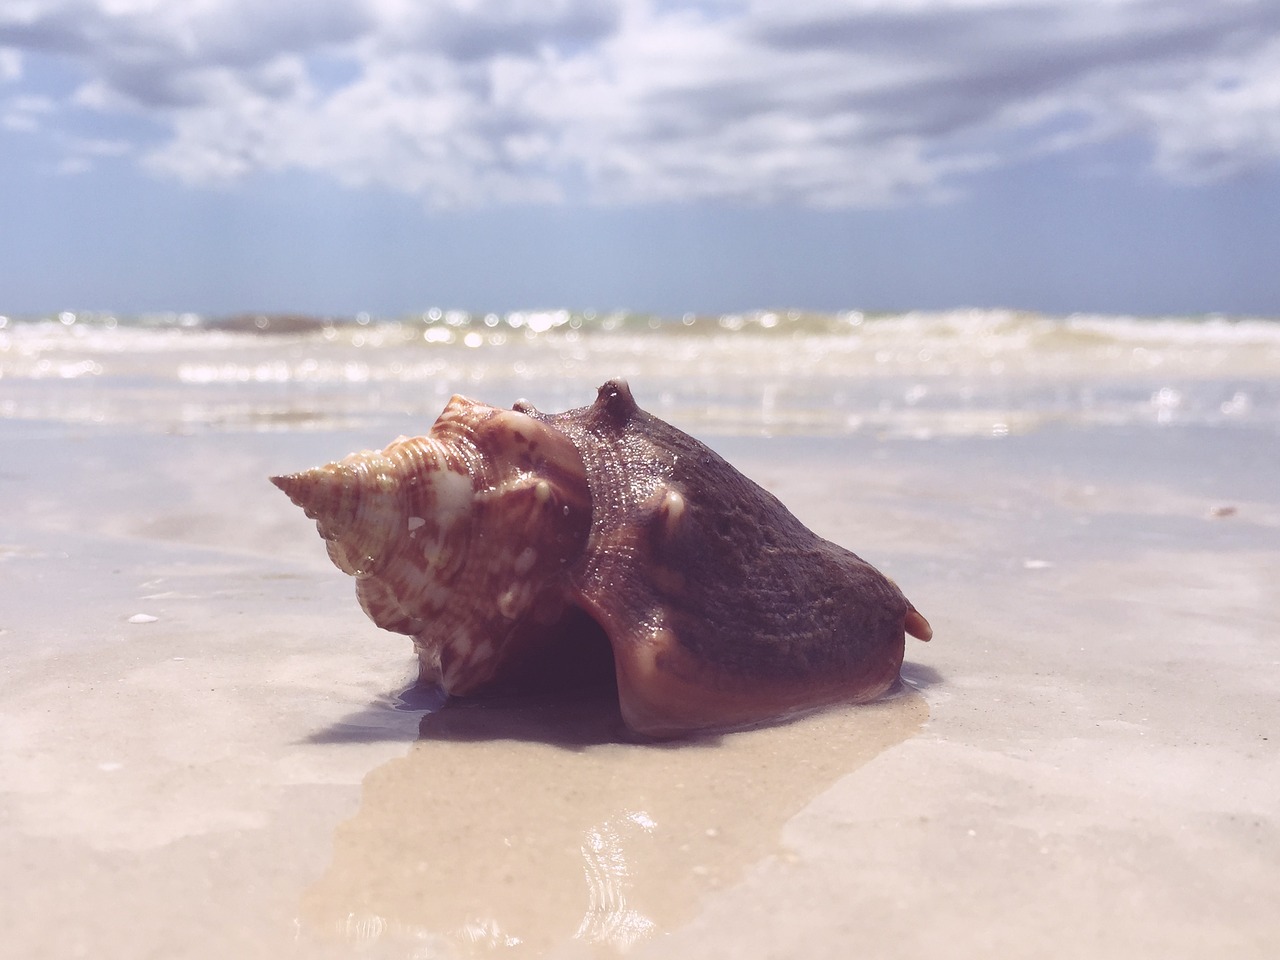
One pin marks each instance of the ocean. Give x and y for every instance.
(917, 374)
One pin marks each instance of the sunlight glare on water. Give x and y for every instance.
(918, 374)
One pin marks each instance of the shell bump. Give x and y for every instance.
(486, 538)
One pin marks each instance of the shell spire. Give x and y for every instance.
(354, 502)
(460, 538)
(320, 491)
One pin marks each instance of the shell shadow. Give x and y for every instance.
(919, 675)
(566, 694)
(521, 824)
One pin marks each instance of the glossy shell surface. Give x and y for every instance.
(490, 537)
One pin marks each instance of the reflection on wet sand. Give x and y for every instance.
(519, 826)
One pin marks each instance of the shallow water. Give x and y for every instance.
(524, 827)
(920, 375)
(196, 715)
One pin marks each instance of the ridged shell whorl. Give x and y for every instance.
(460, 538)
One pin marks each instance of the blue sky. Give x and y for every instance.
(333, 156)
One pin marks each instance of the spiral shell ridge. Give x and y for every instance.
(458, 538)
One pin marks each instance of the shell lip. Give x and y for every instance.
(917, 625)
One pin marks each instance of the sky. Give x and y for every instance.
(337, 156)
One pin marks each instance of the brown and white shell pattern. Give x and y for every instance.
(485, 538)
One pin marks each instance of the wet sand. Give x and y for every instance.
(203, 754)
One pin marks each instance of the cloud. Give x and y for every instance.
(25, 113)
(10, 64)
(1224, 121)
(850, 103)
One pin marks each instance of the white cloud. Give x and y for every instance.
(823, 103)
(1223, 122)
(73, 166)
(10, 64)
(23, 114)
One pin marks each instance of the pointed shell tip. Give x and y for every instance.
(290, 484)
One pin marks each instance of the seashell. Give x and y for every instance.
(488, 539)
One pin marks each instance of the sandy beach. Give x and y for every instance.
(204, 752)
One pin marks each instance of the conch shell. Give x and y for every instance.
(491, 536)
